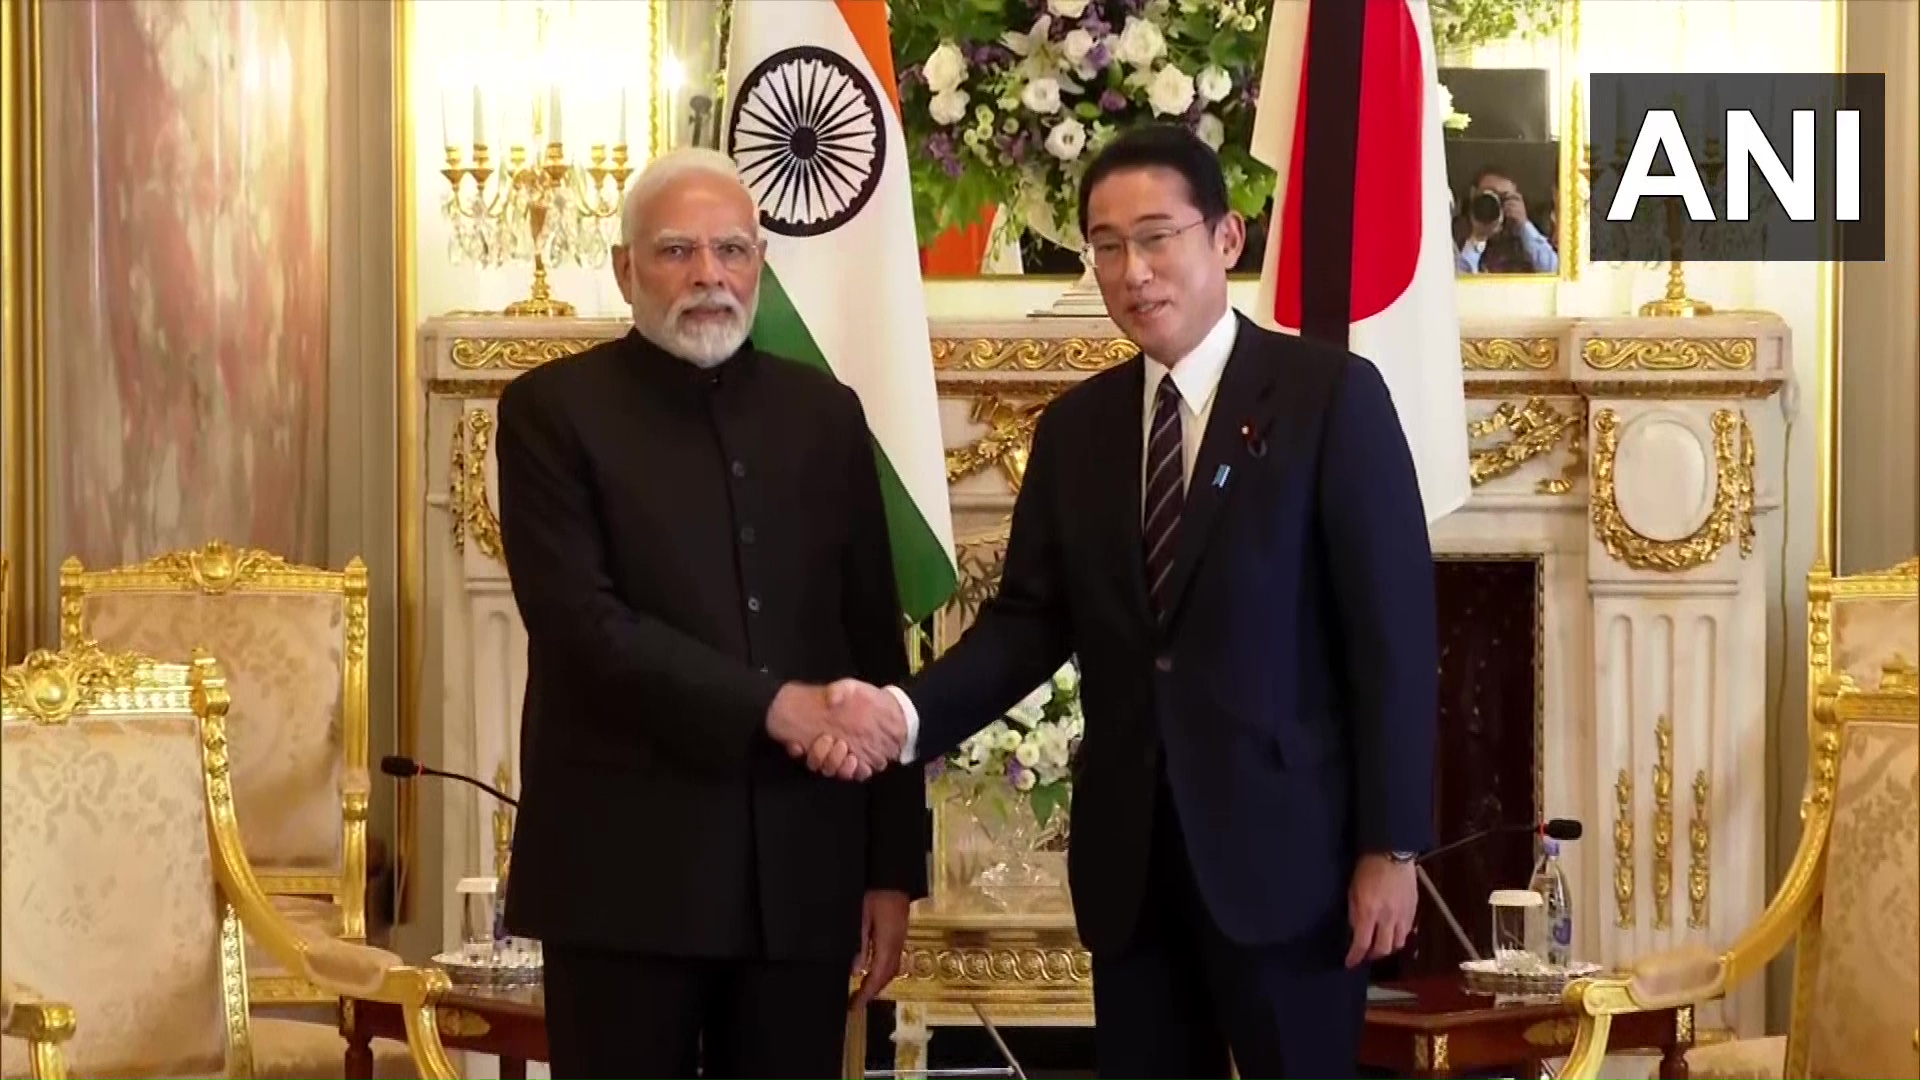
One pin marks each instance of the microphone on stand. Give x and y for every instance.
(1552, 829)
(406, 768)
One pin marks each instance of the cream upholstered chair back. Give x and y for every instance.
(293, 641)
(1856, 1000)
(1860, 623)
(108, 895)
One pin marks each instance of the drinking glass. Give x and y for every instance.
(1519, 929)
(476, 918)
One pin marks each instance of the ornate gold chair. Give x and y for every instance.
(1850, 904)
(43, 1025)
(127, 893)
(1861, 623)
(294, 639)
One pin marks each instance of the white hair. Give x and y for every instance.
(664, 170)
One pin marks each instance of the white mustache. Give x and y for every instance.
(715, 299)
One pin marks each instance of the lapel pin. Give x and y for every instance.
(1256, 445)
(1220, 476)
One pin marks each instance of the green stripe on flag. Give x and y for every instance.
(920, 567)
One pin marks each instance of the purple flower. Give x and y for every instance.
(1099, 57)
(1112, 101)
(1015, 770)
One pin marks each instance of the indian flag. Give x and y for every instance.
(815, 129)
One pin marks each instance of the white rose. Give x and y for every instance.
(945, 69)
(1076, 45)
(1067, 139)
(948, 107)
(1211, 130)
(1170, 92)
(1141, 42)
(1042, 96)
(1213, 82)
(1028, 754)
(1067, 9)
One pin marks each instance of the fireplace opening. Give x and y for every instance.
(1487, 760)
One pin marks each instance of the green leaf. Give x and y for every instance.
(1046, 799)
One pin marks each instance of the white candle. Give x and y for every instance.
(553, 113)
(446, 123)
(479, 118)
(623, 116)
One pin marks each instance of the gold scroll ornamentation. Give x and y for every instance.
(48, 686)
(1669, 354)
(1623, 850)
(1008, 439)
(1509, 354)
(1730, 517)
(1699, 841)
(467, 502)
(1663, 824)
(1031, 354)
(1535, 427)
(513, 354)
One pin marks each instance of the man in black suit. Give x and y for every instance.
(697, 543)
(1228, 534)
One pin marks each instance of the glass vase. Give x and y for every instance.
(1015, 834)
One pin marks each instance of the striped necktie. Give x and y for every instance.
(1165, 491)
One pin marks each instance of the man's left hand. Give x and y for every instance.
(883, 936)
(1380, 906)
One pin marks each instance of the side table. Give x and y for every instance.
(1447, 1028)
(510, 1024)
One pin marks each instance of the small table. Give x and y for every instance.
(1448, 1029)
(508, 1023)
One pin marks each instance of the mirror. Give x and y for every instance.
(1512, 134)
(1508, 66)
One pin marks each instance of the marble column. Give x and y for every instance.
(186, 275)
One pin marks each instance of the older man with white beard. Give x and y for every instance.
(697, 544)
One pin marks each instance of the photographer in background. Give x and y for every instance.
(1495, 236)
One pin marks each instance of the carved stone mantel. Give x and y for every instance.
(1634, 458)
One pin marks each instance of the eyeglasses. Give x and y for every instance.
(732, 253)
(1110, 252)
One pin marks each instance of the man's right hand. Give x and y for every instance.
(864, 740)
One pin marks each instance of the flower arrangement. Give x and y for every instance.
(1463, 25)
(1006, 100)
(1029, 751)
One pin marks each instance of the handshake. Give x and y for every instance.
(850, 729)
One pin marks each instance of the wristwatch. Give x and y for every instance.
(1400, 856)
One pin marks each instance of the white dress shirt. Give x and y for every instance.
(1196, 376)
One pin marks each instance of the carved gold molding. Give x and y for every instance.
(1430, 1053)
(1699, 841)
(1015, 969)
(467, 502)
(1536, 428)
(1553, 1034)
(1009, 437)
(1663, 824)
(460, 1023)
(1623, 850)
(1031, 354)
(1669, 354)
(49, 687)
(1731, 515)
(514, 354)
(1509, 354)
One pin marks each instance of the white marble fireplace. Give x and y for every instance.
(1629, 457)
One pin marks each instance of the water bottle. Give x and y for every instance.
(1551, 883)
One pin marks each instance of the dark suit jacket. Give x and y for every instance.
(1292, 695)
(680, 543)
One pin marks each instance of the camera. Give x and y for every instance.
(1485, 207)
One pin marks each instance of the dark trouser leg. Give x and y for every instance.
(1153, 1008)
(1290, 1010)
(621, 1015)
(785, 1020)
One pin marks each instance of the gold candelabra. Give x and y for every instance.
(539, 204)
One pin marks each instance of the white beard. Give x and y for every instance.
(704, 344)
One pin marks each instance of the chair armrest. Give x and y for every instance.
(43, 1025)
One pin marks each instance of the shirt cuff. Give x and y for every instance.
(910, 749)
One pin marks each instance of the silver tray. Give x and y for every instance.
(519, 972)
(1487, 978)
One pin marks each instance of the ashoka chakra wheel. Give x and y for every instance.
(808, 136)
